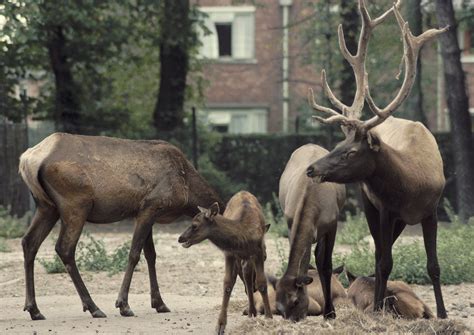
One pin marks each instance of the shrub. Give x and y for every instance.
(10, 225)
(275, 218)
(91, 255)
(354, 230)
(282, 257)
(3, 245)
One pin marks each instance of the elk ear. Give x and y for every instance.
(202, 209)
(338, 270)
(303, 280)
(214, 210)
(267, 227)
(351, 277)
(374, 141)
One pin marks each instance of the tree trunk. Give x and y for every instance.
(350, 19)
(174, 45)
(414, 103)
(458, 106)
(68, 111)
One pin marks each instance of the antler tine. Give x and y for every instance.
(411, 48)
(319, 108)
(332, 98)
(384, 16)
(343, 47)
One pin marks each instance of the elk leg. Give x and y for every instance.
(43, 221)
(261, 281)
(323, 255)
(71, 229)
(229, 281)
(430, 227)
(143, 228)
(385, 263)
(398, 229)
(248, 270)
(150, 256)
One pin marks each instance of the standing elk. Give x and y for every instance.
(103, 180)
(400, 298)
(396, 161)
(239, 233)
(311, 211)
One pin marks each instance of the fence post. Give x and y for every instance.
(195, 139)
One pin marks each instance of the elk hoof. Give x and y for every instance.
(162, 309)
(34, 312)
(245, 311)
(98, 314)
(126, 311)
(220, 329)
(330, 315)
(37, 316)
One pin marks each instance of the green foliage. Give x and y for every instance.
(275, 218)
(282, 257)
(354, 229)
(10, 225)
(3, 245)
(455, 256)
(92, 256)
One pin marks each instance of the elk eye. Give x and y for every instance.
(193, 227)
(350, 154)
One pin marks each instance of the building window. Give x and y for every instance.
(237, 120)
(466, 43)
(230, 32)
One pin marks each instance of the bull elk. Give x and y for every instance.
(311, 211)
(400, 298)
(103, 180)
(396, 161)
(239, 233)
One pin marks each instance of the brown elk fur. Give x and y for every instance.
(239, 233)
(311, 210)
(397, 162)
(400, 298)
(103, 180)
(315, 294)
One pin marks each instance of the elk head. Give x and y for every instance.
(292, 297)
(354, 159)
(201, 226)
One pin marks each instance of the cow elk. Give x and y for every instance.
(315, 293)
(400, 298)
(103, 180)
(396, 161)
(311, 210)
(239, 233)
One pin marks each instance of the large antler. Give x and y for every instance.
(351, 114)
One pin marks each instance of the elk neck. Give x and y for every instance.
(200, 193)
(229, 235)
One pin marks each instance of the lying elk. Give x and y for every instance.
(400, 298)
(103, 180)
(239, 233)
(396, 161)
(311, 211)
(315, 293)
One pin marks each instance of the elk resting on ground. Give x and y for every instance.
(315, 293)
(396, 161)
(311, 210)
(103, 180)
(400, 298)
(239, 233)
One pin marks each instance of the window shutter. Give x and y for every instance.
(210, 47)
(243, 33)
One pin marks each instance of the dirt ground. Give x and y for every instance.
(191, 284)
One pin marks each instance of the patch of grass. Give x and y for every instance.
(10, 225)
(354, 230)
(282, 257)
(455, 255)
(92, 256)
(3, 245)
(274, 216)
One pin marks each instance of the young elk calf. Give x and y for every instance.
(239, 233)
(315, 293)
(400, 298)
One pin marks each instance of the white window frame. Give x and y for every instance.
(227, 14)
(256, 118)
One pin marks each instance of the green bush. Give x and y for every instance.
(282, 257)
(354, 230)
(455, 255)
(3, 245)
(275, 218)
(91, 255)
(10, 225)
